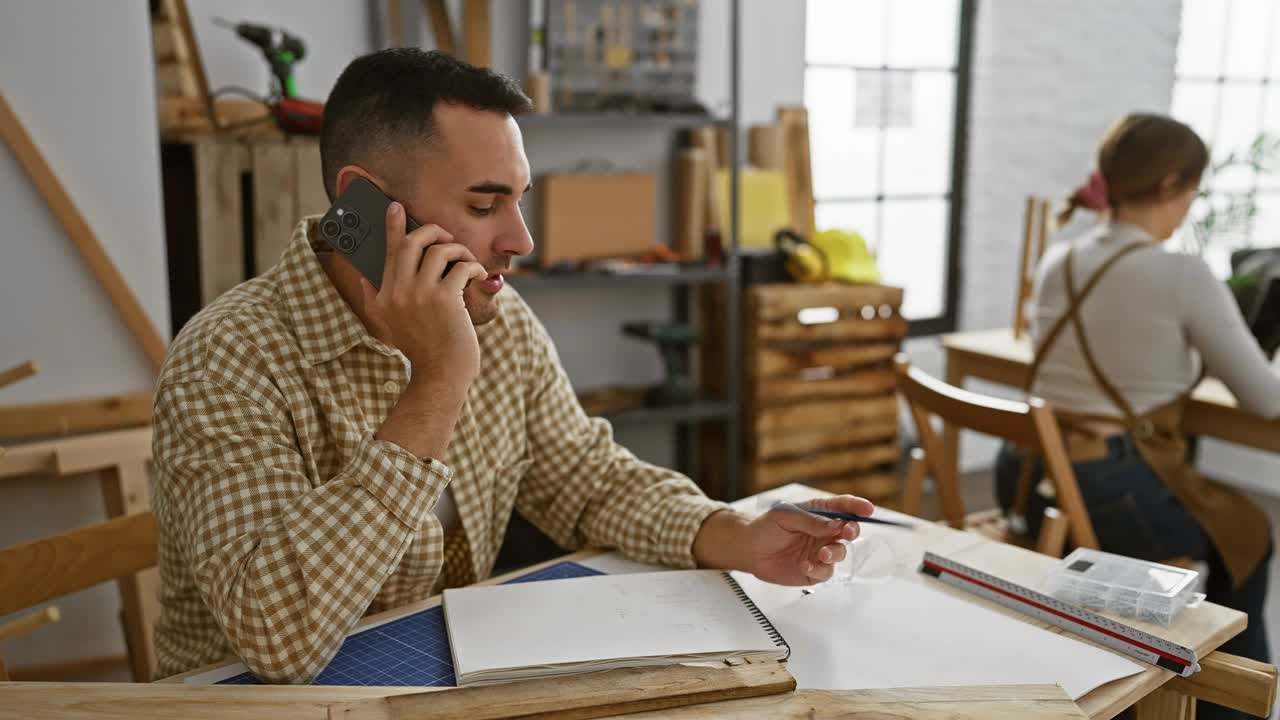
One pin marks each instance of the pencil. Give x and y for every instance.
(836, 515)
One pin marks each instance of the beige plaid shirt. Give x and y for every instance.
(283, 521)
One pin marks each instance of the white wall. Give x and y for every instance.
(80, 77)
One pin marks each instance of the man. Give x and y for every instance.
(325, 449)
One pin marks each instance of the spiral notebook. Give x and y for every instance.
(543, 629)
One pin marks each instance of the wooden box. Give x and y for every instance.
(594, 216)
(818, 398)
(230, 206)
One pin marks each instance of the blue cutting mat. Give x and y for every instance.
(413, 650)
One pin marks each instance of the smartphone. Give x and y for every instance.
(356, 227)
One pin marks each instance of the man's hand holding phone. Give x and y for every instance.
(420, 304)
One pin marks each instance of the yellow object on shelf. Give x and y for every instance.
(848, 259)
(762, 205)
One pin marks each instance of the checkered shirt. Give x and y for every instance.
(283, 520)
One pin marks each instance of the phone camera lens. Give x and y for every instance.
(330, 228)
(351, 220)
(346, 243)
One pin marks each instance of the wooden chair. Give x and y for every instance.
(1035, 226)
(1027, 424)
(38, 571)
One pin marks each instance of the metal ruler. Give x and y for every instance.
(1107, 632)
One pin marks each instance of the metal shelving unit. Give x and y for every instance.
(685, 275)
(683, 282)
(619, 120)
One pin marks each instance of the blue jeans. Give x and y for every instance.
(1134, 514)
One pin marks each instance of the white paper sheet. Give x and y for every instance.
(898, 632)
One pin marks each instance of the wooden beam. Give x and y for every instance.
(177, 11)
(126, 491)
(41, 570)
(77, 454)
(1233, 681)
(475, 31)
(81, 235)
(70, 670)
(589, 695)
(75, 416)
(18, 372)
(441, 27)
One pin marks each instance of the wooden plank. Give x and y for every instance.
(312, 198)
(275, 202)
(475, 31)
(845, 328)
(18, 372)
(774, 361)
(395, 23)
(814, 415)
(75, 416)
(219, 214)
(81, 235)
(836, 462)
(34, 572)
(70, 670)
(1020, 702)
(126, 490)
(775, 445)
(177, 12)
(1236, 682)
(861, 383)
(441, 27)
(76, 454)
(1165, 704)
(127, 701)
(795, 123)
(589, 695)
(783, 301)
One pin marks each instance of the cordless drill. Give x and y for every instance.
(282, 51)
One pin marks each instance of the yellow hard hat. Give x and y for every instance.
(848, 259)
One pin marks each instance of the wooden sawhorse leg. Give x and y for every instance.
(126, 490)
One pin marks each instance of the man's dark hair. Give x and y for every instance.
(383, 101)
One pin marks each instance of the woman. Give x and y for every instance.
(1123, 330)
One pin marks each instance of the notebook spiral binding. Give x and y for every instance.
(759, 616)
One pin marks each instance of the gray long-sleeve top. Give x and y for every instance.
(1153, 318)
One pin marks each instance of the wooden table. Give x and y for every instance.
(997, 356)
(1203, 628)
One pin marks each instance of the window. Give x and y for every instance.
(885, 85)
(1227, 87)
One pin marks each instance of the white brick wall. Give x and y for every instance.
(1047, 79)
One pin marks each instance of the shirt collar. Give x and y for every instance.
(1126, 232)
(324, 324)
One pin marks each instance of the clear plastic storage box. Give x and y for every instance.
(1122, 585)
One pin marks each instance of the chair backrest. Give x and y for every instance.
(1035, 227)
(54, 566)
(1027, 424)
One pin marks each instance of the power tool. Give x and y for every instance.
(673, 341)
(282, 51)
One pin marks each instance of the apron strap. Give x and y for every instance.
(1099, 377)
(1072, 308)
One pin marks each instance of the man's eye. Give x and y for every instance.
(483, 211)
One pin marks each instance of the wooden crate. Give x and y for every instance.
(231, 204)
(818, 397)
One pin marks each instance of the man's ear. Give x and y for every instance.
(351, 172)
(1169, 187)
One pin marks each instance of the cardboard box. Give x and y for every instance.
(588, 216)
